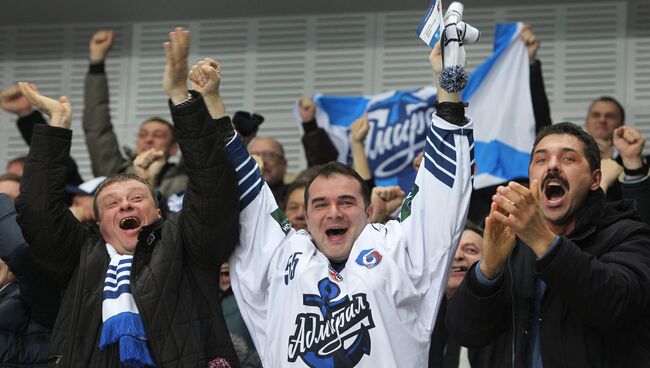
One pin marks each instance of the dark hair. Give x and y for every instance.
(165, 122)
(591, 151)
(117, 178)
(469, 225)
(612, 100)
(10, 177)
(333, 168)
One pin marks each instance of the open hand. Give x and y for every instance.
(177, 50)
(59, 111)
(498, 242)
(523, 214)
(148, 165)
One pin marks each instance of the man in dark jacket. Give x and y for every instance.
(147, 292)
(155, 143)
(564, 277)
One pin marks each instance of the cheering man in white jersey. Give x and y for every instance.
(347, 293)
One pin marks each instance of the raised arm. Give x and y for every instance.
(208, 221)
(103, 147)
(262, 225)
(434, 212)
(51, 230)
(13, 101)
(319, 148)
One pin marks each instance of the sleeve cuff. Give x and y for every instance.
(551, 249)
(309, 126)
(97, 67)
(483, 280)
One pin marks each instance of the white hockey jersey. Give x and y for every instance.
(380, 309)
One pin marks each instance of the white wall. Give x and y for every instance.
(588, 49)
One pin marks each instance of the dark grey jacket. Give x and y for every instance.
(174, 278)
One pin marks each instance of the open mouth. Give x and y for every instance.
(130, 223)
(335, 232)
(554, 187)
(554, 190)
(459, 269)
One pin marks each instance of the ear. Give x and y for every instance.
(596, 177)
(159, 213)
(369, 212)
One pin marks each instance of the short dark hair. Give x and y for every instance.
(591, 151)
(116, 178)
(471, 226)
(165, 122)
(10, 177)
(612, 100)
(334, 168)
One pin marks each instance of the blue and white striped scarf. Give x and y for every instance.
(122, 323)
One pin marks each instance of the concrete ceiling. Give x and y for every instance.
(25, 12)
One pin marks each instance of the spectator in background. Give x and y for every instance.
(13, 102)
(241, 338)
(16, 165)
(10, 185)
(156, 140)
(317, 144)
(82, 200)
(275, 164)
(247, 124)
(445, 352)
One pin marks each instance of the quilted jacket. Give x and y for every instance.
(174, 278)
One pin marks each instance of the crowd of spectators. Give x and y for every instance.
(550, 270)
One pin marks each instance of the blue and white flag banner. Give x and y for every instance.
(500, 105)
(430, 27)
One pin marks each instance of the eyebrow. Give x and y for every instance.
(564, 149)
(343, 196)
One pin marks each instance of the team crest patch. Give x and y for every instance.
(282, 220)
(339, 336)
(369, 258)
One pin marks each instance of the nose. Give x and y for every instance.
(301, 214)
(125, 205)
(553, 164)
(333, 211)
(460, 255)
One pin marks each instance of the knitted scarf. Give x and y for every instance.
(122, 323)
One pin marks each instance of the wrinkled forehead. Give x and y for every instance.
(553, 143)
(263, 144)
(122, 188)
(334, 186)
(605, 107)
(155, 125)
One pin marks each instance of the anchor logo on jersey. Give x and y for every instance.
(337, 337)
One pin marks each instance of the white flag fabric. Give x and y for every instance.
(500, 104)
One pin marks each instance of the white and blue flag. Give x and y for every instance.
(500, 105)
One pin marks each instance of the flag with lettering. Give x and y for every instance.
(500, 105)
